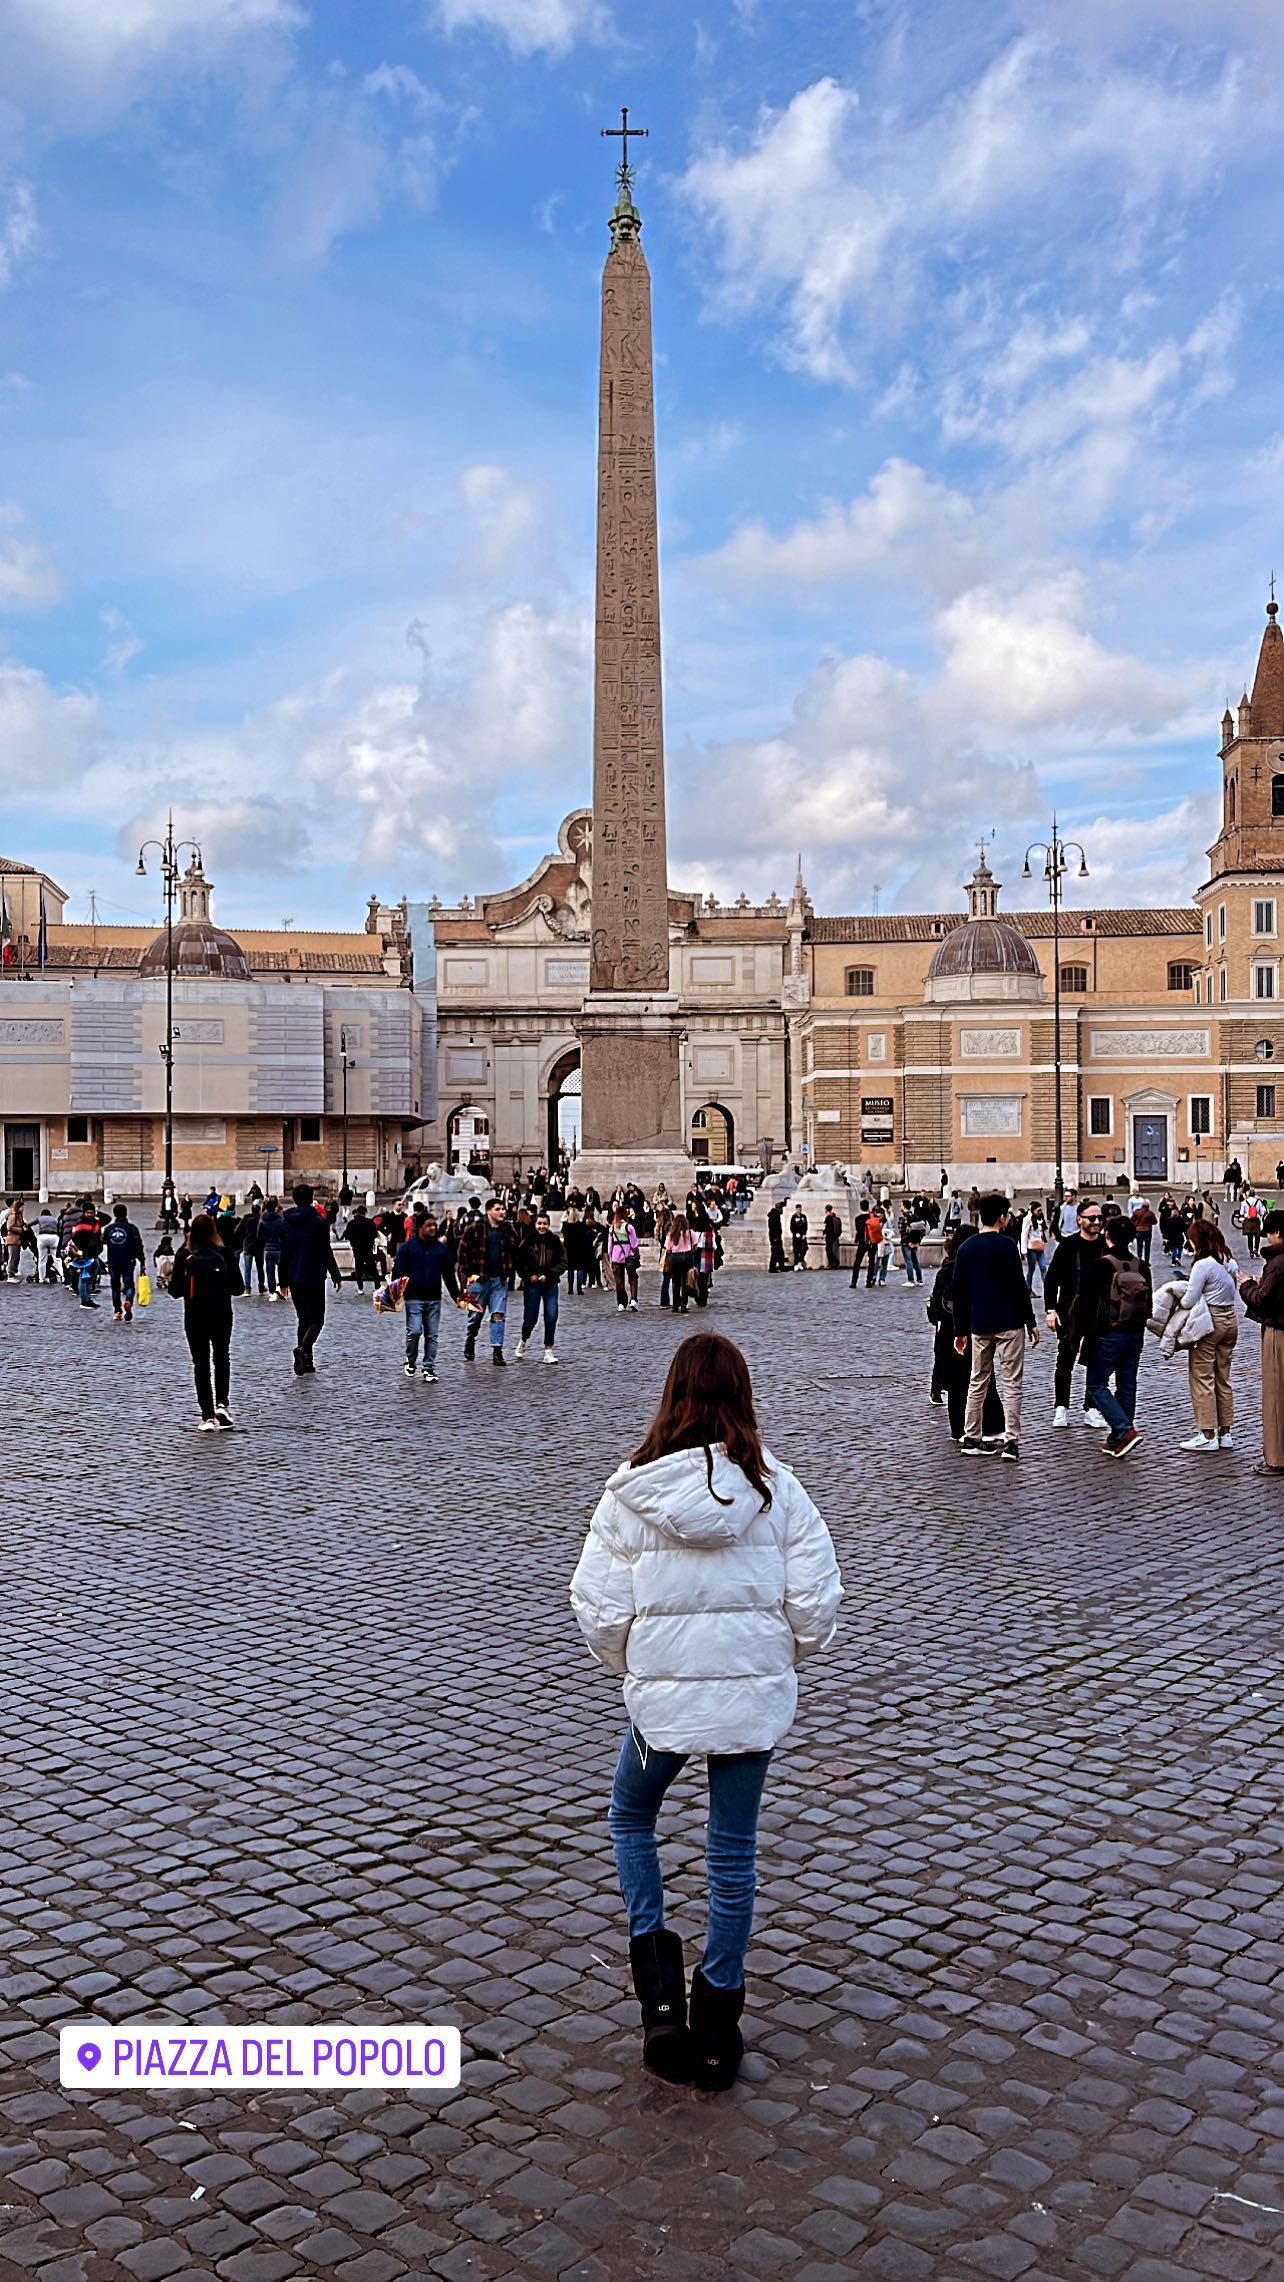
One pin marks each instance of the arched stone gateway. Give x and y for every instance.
(564, 1095)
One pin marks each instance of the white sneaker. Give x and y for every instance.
(1227, 1441)
(633, 1307)
(1201, 1442)
(1094, 1418)
(208, 1426)
(619, 1307)
(550, 1355)
(520, 1348)
(223, 1414)
(1061, 1416)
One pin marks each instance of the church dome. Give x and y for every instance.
(201, 950)
(983, 947)
(984, 957)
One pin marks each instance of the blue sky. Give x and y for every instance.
(970, 440)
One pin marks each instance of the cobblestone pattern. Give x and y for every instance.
(296, 1725)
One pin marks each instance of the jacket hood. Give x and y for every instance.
(673, 1495)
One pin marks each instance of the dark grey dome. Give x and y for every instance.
(983, 947)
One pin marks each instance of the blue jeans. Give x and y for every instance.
(272, 1265)
(422, 1319)
(735, 1793)
(488, 1293)
(533, 1296)
(1035, 1260)
(913, 1269)
(1117, 1355)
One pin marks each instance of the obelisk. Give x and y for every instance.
(629, 1022)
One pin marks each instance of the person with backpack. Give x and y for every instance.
(125, 1256)
(706, 1577)
(206, 1278)
(1251, 1222)
(86, 1252)
(1209, 1361)
(1118, 1303)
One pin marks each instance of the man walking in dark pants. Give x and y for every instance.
(777, 1263)
(991, 1305)
(307, 1258)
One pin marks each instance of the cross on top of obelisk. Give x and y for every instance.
(621, 134)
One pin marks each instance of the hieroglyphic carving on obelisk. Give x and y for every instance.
(630, 948)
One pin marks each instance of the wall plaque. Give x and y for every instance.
(566, 973)
(877, 1105)
(1148, 1045)
(198, 1030)
(987, 1114)
(31, 1031)
(711, 970)
(876, 1045)
(989, 1045)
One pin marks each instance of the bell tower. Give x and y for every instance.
(1252, 834)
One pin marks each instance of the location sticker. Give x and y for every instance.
(89, 2055)
(157, 2055)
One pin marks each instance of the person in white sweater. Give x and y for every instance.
(706, 1576)
(1209, 1361)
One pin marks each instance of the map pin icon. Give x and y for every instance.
(89, 2055)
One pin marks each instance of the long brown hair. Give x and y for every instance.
(1206, 1238)
(707, 1398)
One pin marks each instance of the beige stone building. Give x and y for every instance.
(928, 1040)
(263, 1024)
(512, 974)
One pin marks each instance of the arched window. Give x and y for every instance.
(1230, 800)
(1277, 795)
(860, 982)
(1075, 980)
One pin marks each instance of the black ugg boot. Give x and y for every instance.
(717, 2046)
(660, 1982)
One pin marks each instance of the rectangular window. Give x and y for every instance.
(309, 1129)
(1266, 1101)
(1221, 982)
(860, 982)
(1221, 922)
(1264, 916)
(1201, 1114)
(1208, 929)
(1181, 974)
(1074, 980)
(1100, 1114)
(1263, 982)
(78, 1129)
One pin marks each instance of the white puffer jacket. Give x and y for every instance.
(706, 1606)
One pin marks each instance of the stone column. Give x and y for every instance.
(629, 1026)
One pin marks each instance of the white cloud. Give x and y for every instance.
(1025, 662)
(48, 737)
(362, 146)
(504, 514)
(839, 217)
(28, 580)
(905, 522)
(18, 226)
(527, 25)
(79, 62)
(125, 643)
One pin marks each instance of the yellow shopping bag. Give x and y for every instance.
(144, 1291)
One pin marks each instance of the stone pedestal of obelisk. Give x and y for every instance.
(629, 1026)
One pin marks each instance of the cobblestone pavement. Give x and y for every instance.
(296, 1725)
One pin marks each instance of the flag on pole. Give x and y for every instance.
(42, 940)
(6, 932)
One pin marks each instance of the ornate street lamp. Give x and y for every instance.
(1056, 856)
(169, 850)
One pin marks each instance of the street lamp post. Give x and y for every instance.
(169, 850)
(345, 1065)
(1056, 856)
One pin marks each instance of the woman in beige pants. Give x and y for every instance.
(1212, 1279)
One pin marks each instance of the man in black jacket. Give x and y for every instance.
(1067, 1306)
(125, 1256)
(541, 1264)
(775, 1238)
(362, 1236)
(484, 1262)
(991, 1304)
(426, 1264)
(307, 1258)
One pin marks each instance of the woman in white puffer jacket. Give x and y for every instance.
(706, 1575)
